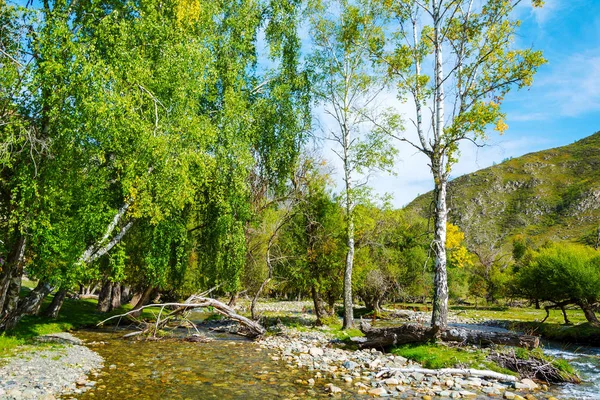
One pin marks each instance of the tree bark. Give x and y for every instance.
(125, 294)
(27, 306)
(439, 318)
(54, 307)
(144, 299)
(589, 313)
(233, 298)
(414, 333)
(348, 305)
(105, 297)
(115, 296)
(320, 311)
(11, 274)
(195, 301)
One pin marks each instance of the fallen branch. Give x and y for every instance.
(194, 301)
(535, 368)
(416, 333)
(479, 373)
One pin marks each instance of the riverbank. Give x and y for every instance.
(60, 366)
(371, 372)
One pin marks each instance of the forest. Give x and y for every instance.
(153, 150)
(162, 156)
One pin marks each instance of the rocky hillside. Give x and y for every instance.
(549, 195)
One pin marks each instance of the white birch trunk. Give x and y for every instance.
(95, 251)
(439, 318)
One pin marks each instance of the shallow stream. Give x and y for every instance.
(232, 368)
(226, 368)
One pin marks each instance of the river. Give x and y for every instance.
(232, 368)
(587, 361)
(225, 368)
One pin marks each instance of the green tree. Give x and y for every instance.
(474, 67)
(563, 274)
(347, 87)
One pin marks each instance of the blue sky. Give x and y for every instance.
(562, 105)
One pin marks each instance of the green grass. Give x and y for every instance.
(437, 356)
(74, 314)
(584, 333)
(521, 314)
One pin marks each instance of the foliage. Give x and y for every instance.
(562, 272)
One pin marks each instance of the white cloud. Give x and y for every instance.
(576, 83)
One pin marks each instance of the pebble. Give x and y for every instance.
(57, 371)
(369, 371)
(378, 392)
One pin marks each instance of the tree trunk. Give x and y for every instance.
(588, 311)
(115, 297)
(105, 297)
(348, 306)
(439, 318)
(54, 308)
(414, 333)
(253, 312)
(144, 299)
(28, 306)
(320, 311)
(125, 294)
(564, 311)
(10, 275)
(233, 298)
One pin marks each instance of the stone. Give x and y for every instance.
(418, 377)
(490, 390)
(455, 395)
(335, 389)
(378, 392)
(348, 379)
(391, 382)
(315, 351)
(311, 382)
(61, 338)
(476, 382)
(530, 384)
(529, 396)
(467, 394)
(449, 383)
(29, 394)
(427, 397)
(14, 393)
(444, 393)
(509, 395)
(350, 365)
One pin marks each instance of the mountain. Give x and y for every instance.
(548, 195)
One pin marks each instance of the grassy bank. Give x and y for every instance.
(74, 314)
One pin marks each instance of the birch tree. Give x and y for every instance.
(347, 86)
(455, 60)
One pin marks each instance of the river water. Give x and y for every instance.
(587, 361)
(226, 368)
(232, 368)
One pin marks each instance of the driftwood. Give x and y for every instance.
(415, 333)
(535, 368)
(253, 328)
(479, 373)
